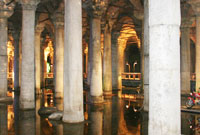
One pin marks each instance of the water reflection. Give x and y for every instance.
(107, 119)
(3, 119)
(96, 118)
(27, 125)
(114, 117)
(73, 129)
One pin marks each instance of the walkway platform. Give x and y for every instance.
(195, 109)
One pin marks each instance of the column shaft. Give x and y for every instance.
(59, 62)
(16, 61)
(197, 65)
(37, 62)
(3, 57)
(185, 60)
(27, 93)
(120, 66)
(73, 77)
(114, 60)
(96, 93)
(164, 67)
(146, 56)
(107, 64)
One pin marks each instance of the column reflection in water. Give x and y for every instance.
(115, 115)
(107, 117)
(10, 119)
(122, 128)
(59, 127)
(96, 118)
(16, 113)
(73, 129)
(38, 120)
(27, 122)
(3, 119)
(144, 123)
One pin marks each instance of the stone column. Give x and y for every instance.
(96, 92)
(196, 8)
(142, 57)
(107, 62)
(73, 73)
(164, 67)
(59, 54)
(197, 65)
(114, 51)
(5, 12)
(38, 31)
(120, 66)
(27, 93)
(185, 57)
(146, 56)
(16, 37)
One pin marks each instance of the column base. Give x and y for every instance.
(27, 105)
(107, 93)
(96, 99)
(38, 91)
(58, 95)
(73, 117)
(185, 92)
(5, 99)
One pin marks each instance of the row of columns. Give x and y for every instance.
(165, 95)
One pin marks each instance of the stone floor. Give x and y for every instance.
(114, 117)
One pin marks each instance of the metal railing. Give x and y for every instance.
(48, 75)
(131, 76)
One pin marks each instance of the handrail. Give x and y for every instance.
(131, 76)
(48, 75)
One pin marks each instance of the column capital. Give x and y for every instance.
(115, 35)
(195, 6)
(97, 8)
(58, 19)
(29, 4)
(5, 9)
(39, 28)
(186, 22)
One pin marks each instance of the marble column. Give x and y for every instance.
(59, 54)
(120, 66)
(185, 60)
(107, 62)
(146, 56)
(73, 72)
(16, 37)
(164, 67)
(197, 65)
(27, 93)
(114, 51)
(96, 92)
(38, 31)
(142, 57)
(5, 12)
(196, 9)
